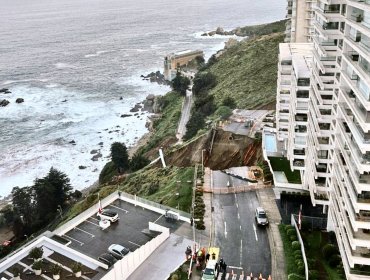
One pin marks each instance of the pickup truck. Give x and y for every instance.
(108, 215)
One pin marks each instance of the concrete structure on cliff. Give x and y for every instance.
(328, 141)
(175, 61)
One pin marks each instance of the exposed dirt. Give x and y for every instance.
(221, 150)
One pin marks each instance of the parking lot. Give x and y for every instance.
(131, 231)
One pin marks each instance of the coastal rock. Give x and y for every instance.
(100, 143)
(4, 103)
(82, 167)
(19, 100)
(125, 115)
(211, 33)
(93, 152)
(220, 31)
(5, 90)
(96, 157)
(204, 34)
(156, 77)
(137, 107)
(73, 142)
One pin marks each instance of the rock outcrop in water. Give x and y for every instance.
(156, 77)
(5, 90)
(4, 103)
(19, 100)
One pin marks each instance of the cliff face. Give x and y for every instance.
(221, 150)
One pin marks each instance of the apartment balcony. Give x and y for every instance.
(360, 113)
(357, 23)
(352, 80)
(358, 45)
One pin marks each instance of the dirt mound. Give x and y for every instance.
(219, 149)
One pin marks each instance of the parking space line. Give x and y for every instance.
(92, 218)
(134, 244)
(91, 223)
(92, 235)
(81, 243)
(158, 218)
(118, 208)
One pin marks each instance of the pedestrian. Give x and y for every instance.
(221, 264)
(224, 267)
(207, 257)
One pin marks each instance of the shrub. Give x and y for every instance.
(77, 266)
(203, 81)
(334, 260)
(36, 253)
(313, 274)
(293, 238)
(56, 269)
(328, 250)
(16, 272)
(180, 83)
(229, 102)
(153, 188)
(297, 253)
(296, 245)
(223, 112)
(138, 161)
(301, 269)
(291, 232)
(37, 265)
(294, 276)
(287, 227)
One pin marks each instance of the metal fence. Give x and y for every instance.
(312, 223)
(239, 189)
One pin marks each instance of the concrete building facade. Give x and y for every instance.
(329, 141)
(299, 28)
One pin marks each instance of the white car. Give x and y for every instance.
(118, 251)
(261, 217)
(108, 215)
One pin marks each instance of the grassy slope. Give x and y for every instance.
(248, 72)
(171, 180)
(264, 29)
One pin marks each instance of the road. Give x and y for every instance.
(223, 180)
(243, 245)
(185, 115)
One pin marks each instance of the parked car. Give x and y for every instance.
(118, 251)
(108, 259)
(261, 217)
(108, 215)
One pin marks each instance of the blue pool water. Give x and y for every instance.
(270, 143)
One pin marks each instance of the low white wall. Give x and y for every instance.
(125, 267)
(86, 214)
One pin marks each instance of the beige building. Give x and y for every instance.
(299, 28)
(174, 61)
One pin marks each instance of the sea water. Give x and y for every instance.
(77, 65)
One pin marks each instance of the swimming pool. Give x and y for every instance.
(270, 143)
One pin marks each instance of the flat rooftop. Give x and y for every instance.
(286, 50)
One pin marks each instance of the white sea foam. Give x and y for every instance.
(62, 65)
(98, 53)
(88, 123)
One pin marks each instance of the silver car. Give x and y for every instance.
(261, 217)
(118, 251)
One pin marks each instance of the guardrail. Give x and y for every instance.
(240, 189)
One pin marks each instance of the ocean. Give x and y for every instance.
(77, 65)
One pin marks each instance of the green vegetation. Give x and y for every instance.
(293, 260)
(120, 156)
(165, 127)
(263, 29)
(162, 186)
(282, 164)
(247, 72)
(180, 83)
(322, 255)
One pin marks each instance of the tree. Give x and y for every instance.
(51, 192)
(223, 112)
(195, 123)
(229, 102)
(138, 161)
(203, 81)
(180, 83)
(24, 206)
(120, 156)
(8, 215)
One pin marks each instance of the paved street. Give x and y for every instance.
(223, 180)
(243, 245)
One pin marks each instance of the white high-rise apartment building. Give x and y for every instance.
(334, 160)
(299, 28)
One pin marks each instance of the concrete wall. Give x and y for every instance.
(125, 267)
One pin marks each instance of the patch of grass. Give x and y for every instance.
(170, 181)
(263, 29)
(282, 164)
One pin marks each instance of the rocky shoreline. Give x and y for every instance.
(5, 102)
(220, 31)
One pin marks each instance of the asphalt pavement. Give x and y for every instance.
(222, 180)
(243, 245)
